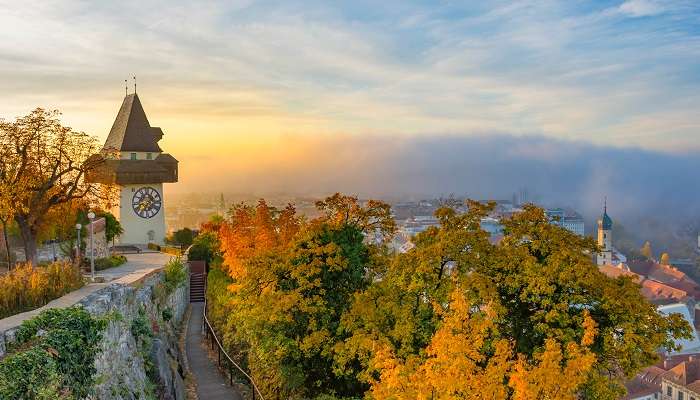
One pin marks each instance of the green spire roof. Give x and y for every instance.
(607, 221)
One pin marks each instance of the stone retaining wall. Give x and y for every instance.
(133, 366)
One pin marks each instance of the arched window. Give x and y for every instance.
(151, 236)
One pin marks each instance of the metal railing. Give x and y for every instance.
(230, 365)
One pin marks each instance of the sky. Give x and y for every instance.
(300, 95)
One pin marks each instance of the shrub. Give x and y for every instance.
(218, 297)
(32, 374)
(206, 247)
(141, 326)
(167, 314)
(26, 288)
(176, 251)
(56, 356)
(109, 262)
(175, 274)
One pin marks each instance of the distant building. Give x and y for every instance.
(492, 226)
(646, 385)
(605, 257)
(569, 220)
(691, 345)
(415, 225)
(667, 275)
(668, 379)
(682, 382)
(658, 289)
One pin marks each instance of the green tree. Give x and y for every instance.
(113, 228)
(205, 247)
(292, 282)
(182, 237)
(646, 251)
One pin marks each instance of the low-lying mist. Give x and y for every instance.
(638, 183)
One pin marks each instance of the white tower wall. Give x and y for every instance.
(138, 230)
(605, 243)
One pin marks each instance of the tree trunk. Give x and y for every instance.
(29, 239)
(7, 244)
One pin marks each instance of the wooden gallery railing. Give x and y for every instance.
(228, 363)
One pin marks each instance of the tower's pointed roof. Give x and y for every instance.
(606, 220)
(131, 130)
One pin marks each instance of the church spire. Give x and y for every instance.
(606, 221)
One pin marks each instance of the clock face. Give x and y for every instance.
(146, 202)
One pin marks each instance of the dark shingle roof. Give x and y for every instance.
(131, 130)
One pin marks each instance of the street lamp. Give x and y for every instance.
(78, 227)
(91, 217)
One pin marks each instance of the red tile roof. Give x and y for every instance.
(667, 275)
(655, 290)
(687, 374)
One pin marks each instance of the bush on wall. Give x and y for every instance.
(53, 356)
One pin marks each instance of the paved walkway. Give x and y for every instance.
(211, 384)
(137, 266)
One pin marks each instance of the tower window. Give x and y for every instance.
(133, 156)
(149, 156)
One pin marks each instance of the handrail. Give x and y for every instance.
(211, 333)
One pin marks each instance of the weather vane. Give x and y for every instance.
(134, 84)
(126, 87)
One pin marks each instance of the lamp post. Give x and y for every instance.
(91, 217)
(78, 227)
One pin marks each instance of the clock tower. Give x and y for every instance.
(133, 160)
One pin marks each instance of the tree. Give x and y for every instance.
(205, 247)
(665, 259)
(316, 310)
(13, 189)
(537, 316)
(48, 161)
(182, 237)
(467, 359)
(292, 283)
(646, 250)
(113, 228)
(373, 218)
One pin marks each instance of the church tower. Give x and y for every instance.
(133, 160)
(605, 238)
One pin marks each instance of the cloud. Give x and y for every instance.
(553, 68)
(641, 8)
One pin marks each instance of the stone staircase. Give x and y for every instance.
(197, 288)
(198, 278)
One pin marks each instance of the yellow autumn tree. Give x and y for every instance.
(468, 359)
